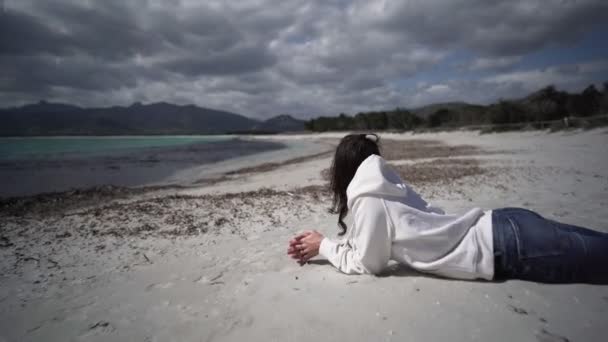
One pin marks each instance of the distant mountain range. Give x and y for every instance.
(46, 118)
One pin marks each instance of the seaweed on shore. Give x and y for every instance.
(420, 148)
(440, 170)
(275, 165)
(53, 202)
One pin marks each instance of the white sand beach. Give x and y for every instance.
(208, 262)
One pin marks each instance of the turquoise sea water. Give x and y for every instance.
(47, 164)
(41, 147)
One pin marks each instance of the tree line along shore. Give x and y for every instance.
(546, 108)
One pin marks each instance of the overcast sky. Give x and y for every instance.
(261, 58)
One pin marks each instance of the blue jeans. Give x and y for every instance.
(530, 247)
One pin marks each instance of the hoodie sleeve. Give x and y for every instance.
(369, 249)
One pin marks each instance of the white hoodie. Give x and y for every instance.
(392, 222)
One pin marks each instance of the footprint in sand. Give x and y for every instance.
(159, 286)
(543, 335)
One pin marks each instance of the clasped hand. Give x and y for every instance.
(305, 246)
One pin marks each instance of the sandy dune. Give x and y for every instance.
(208, 263)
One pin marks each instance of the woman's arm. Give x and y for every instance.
(371, 241)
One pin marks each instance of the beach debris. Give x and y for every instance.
(211, 281)
(147, 259)
(101, 327)
(55, 263)
(101, 324)
(426, 148)
(159, 286)
(543, 335)
(5, 242)
(34, 328)
(517, 310)
(218, 276)
(272, 166)
(220, 221)
(167, 216)
(29, 258)
(442, 171)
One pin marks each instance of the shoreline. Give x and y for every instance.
(75, 198)
(160, 167)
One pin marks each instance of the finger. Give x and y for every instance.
(307, 238)
(306, 255)
(294, 254)
(302, 235)
(294, 240)
(293, 251)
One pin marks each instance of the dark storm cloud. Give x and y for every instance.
(500, 27)
(234, 61)
(68, 29)
(112, 44)
(257, 83)
(262, 57)
(23, 34)
(42, 73)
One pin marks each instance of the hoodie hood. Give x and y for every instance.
(374, 177)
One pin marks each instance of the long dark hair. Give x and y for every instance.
(350, 153)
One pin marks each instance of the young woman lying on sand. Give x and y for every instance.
(392, 222)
